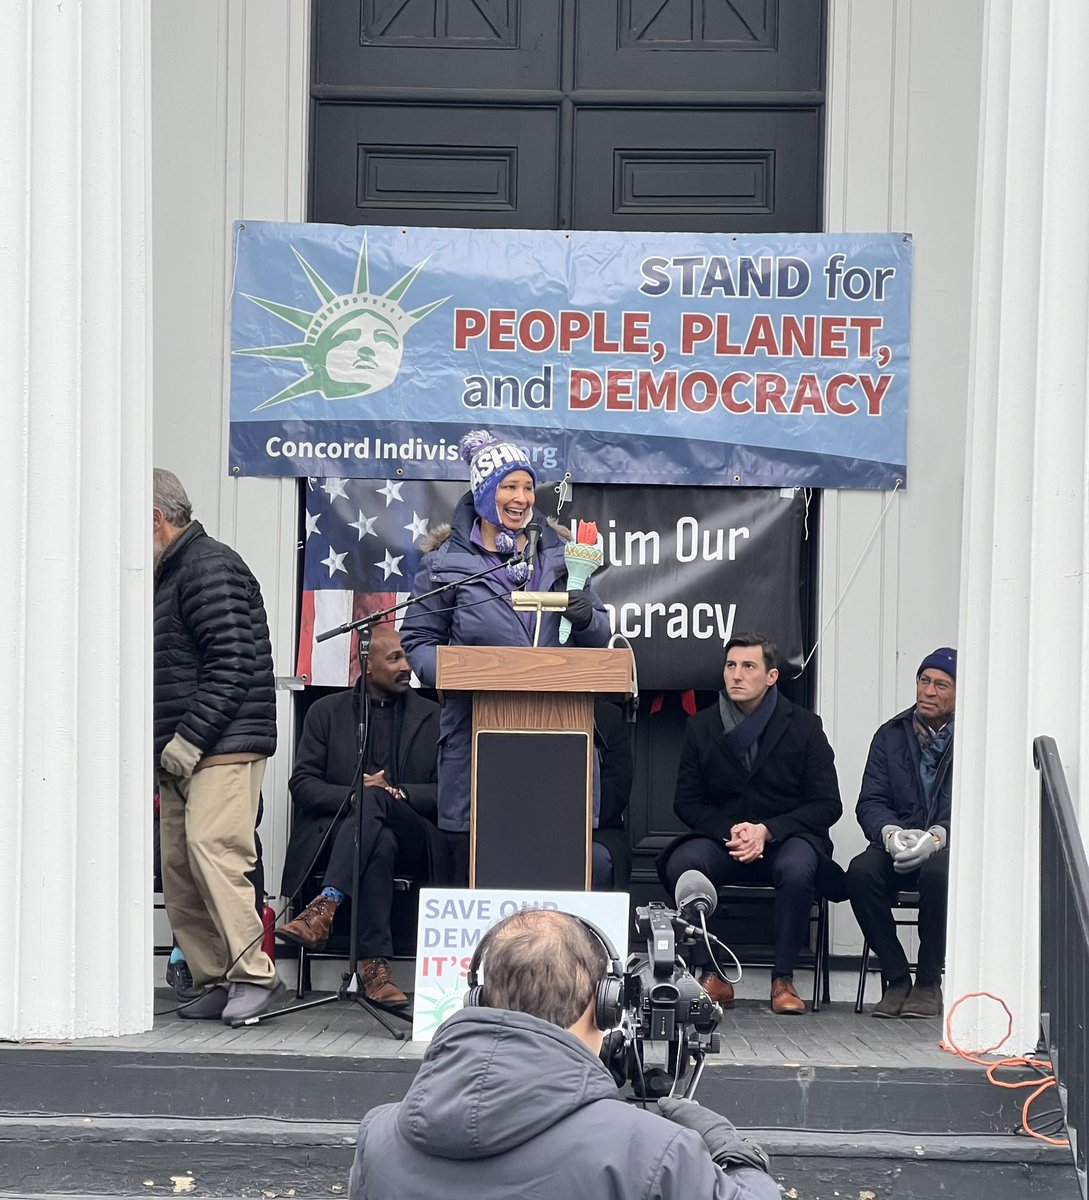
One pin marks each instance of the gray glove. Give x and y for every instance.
(728, 1148)
(179, 757)
(927, 842)
(892, 837)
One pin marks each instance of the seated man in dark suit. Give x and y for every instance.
(399, 809)
(757, 785)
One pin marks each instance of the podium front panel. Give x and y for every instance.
(531, 822)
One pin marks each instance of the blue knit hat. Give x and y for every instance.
(490, 462)
(942, 659)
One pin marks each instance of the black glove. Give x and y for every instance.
(617, 1053)
(579, 610)
(728, 1148)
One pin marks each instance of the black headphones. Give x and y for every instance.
(608, 992)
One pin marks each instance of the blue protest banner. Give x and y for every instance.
(665, 358)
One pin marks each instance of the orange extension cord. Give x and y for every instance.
(1033, 1064)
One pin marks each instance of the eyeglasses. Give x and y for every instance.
(939, 685)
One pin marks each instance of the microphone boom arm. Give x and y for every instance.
(374, 617)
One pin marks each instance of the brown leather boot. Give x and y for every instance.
(311, 927)
(720, 990)
(378, 987)
(784, 999)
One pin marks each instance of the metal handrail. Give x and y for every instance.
(1064, 946)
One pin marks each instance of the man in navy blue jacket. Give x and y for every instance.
(904, 810)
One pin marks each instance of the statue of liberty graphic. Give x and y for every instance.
(353, 344)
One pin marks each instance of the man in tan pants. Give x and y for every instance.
(215, 726)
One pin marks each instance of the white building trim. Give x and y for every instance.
(75, 845)
(1024, 628)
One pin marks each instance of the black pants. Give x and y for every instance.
(394, 839)
(790, 866)
(872, 884)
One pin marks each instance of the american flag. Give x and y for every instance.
(364, 541)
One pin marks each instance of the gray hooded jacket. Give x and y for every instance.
(506, 1105)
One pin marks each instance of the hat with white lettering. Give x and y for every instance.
(490, 462)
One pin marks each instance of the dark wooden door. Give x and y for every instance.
(702, 115)
(540, 114)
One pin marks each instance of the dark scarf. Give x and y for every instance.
(933, 744)
(743, 732)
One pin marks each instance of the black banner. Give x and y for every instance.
(685, 568)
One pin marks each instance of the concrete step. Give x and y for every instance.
(298, 1087)
(220, 1158)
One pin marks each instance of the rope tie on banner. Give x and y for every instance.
(1043, 1080)
(851, 578)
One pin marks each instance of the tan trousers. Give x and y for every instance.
(206, 834)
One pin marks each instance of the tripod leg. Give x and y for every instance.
(379, 1015)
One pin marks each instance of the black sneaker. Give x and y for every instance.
(179, 978)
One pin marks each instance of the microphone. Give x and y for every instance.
(533, 536)
(695, 893)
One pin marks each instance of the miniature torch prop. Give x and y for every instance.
(582, 556)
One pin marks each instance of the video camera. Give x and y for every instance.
(663, 1002)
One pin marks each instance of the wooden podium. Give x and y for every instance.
(533, 762)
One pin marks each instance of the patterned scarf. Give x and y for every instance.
(506, 545)
(933, 744)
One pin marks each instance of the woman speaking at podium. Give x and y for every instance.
(492, 526)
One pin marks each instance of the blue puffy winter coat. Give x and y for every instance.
(461, 617)
(892, 789)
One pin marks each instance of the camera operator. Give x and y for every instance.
(513, 1098)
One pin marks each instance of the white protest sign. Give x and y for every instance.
(453, 920)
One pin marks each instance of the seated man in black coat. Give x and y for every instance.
(757, 784)
(904, 809)
(399, 809)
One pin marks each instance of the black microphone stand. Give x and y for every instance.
(351, 987)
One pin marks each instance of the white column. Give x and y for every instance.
(1023, 631)
(74, 539)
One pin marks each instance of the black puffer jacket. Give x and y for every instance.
(213, 657)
